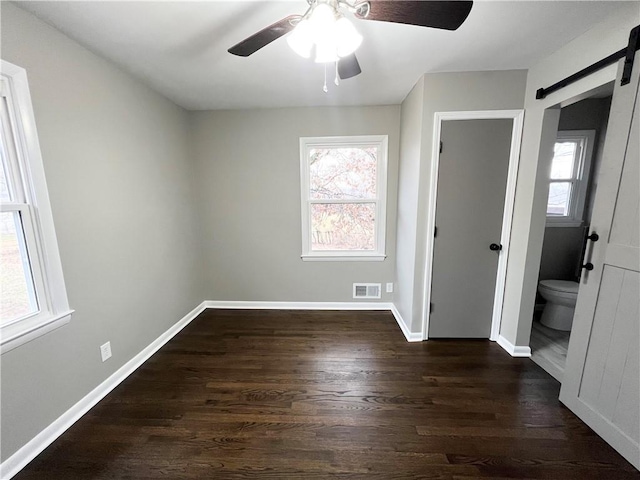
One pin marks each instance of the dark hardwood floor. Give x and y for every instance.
(310, 395)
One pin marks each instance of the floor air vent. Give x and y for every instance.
(366, 290)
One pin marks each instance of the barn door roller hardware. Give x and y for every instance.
(627, 53)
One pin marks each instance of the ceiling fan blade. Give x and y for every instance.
(447, 15)
(348, 67)
(264, 37)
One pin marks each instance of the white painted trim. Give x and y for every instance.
(250, 305)
(31, 329)
(409, 335)
(36, 445)
(514, 350)
(564, 224)
(431, 225)
(364, 257)
(512, 175)
(507, 222)
(382, 143)
(44, 255)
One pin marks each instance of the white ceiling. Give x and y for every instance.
(180, 48)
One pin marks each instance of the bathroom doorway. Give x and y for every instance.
(573, 182)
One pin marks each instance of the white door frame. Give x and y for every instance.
(514, 159)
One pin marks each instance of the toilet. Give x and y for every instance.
(561, 296)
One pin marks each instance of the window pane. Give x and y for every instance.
(17, 297)
(343, 226)
(564, 154)
(559, 197)
(5, 196)
(343, 173)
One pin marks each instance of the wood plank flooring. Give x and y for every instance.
(312, 395)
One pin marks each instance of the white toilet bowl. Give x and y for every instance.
(561, 296)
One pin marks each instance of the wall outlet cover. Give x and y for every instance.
(390, 287)
(105, 351)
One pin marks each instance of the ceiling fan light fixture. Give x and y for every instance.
(326, 50)
(332, 35)
(301, 39)
(348, 40)
(323, 18)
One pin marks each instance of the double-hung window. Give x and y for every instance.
(569, 177)
(33, 299)
(344, 183)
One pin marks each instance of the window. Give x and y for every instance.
(568, 178)
(33, 297)
(344, 183)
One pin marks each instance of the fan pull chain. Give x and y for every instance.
(325, 89)
(337, 79)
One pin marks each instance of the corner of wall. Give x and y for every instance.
(411, 119)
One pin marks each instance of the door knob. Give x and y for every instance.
(495, 247)
(588, 266)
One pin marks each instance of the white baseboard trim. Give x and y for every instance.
(409, 335)
(513, 350)
(299, 305)
(16, 462)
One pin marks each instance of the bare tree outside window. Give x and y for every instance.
(349, 175)
(343, 193)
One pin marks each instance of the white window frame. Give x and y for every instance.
(366, 141)
(579, 180)
(28, 178)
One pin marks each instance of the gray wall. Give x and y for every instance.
(445, 92)
(410, 154)
(561, 251)
(248, 174)
(116, 161)
(562, 246)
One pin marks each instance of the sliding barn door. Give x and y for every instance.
(602, 376)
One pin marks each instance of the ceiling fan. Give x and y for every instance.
(324, 30)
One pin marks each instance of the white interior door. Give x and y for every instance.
(472, 180)
(602, 375)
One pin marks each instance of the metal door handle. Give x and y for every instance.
(495, 247)
(588, 266)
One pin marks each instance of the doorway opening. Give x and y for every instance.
(573, 181)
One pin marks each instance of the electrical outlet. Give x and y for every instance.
(105, 351)
(390, 287)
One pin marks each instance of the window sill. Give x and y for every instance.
(344, 258)
(563, 223)
(13, 336)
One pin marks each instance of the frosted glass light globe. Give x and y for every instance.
(347, 37)
(301, 39)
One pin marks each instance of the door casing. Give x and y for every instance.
(514, 158)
